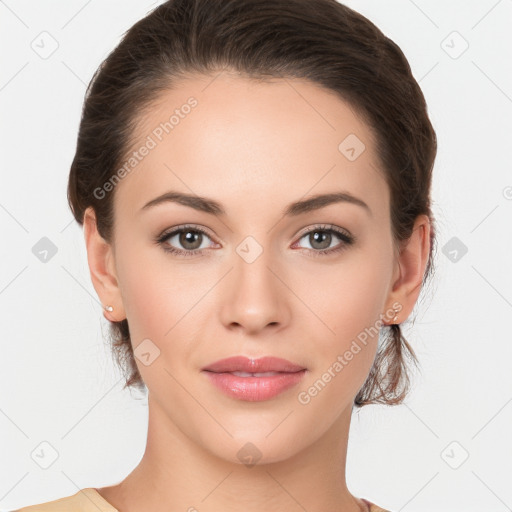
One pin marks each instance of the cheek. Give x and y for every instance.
(163, 302)
(345, 341)
(154, 293)
(156, 311)
(342, 299)
(143, 293)
(347, 300)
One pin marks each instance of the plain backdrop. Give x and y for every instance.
(447, 448)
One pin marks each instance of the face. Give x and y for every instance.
(252, 276)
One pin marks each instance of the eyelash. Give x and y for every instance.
(345, 237)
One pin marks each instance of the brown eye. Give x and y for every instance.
(189, 239)
(184, 241)
(321, 238)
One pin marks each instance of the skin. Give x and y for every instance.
(254, 147)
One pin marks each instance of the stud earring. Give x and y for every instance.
(109, 308)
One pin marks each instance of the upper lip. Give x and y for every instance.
(245, 364)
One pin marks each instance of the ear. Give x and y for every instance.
(410, 268)
(100, 257)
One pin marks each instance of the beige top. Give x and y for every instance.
(89, 500)
(86, 500)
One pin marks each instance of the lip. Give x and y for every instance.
(244, 364)
(254, 389)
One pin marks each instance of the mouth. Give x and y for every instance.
(245, 365)
(258, 374)
(270, 376)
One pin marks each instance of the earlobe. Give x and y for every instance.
(101, 267)
(412, 262)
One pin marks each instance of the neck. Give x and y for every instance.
(176, 473)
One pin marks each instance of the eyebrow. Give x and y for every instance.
(211, 206)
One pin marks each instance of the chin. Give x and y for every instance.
(258, 448)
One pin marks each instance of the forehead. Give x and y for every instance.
(239, 139)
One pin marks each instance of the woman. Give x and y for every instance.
(253, 178)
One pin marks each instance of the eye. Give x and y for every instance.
(321, 237)
(191, 238)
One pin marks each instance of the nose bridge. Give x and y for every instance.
(255, 297)
(252, 264)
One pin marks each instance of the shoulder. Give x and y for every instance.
(85, 500)
(374, 508)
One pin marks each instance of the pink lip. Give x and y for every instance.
(254, 388)
(244, 364)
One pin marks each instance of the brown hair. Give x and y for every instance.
(319, 40)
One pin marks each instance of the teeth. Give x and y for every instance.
(263, 374)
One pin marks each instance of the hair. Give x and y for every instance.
(322, 41)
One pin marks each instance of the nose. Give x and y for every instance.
(255, 296)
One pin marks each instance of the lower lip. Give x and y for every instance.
(254, 389)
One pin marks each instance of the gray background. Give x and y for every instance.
(448, 448)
